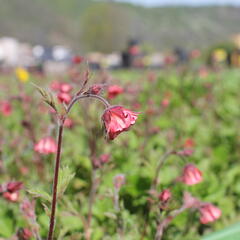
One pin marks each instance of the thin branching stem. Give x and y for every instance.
(58, 157)
(55, 183)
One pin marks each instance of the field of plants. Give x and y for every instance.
(144, 154)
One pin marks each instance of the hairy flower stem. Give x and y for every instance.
(120, 229)
(58, 157)
(154, 184)
(55, 182)
(163, 224)
(160, 164)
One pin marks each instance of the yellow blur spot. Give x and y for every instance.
(22, 74)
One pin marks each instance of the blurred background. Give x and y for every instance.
(57, 30)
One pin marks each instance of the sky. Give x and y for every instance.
(184, 2)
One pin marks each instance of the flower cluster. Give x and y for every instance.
(10, 190)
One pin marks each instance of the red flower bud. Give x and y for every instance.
(46, 145)
(117, 119)
(165, 195)
(24, 234)
(65, 87)
(114, 90)
(68, 123)
(209, 213)
(5, 108)
(77, 59)
(165, 102)
(104, 158)
(64, 97)
(55, 85)
(95, 89)
(191, 175)
(11, 197)
(189, 143)
(14, 186)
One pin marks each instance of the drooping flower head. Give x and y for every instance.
(191, 175)
(118, 119)
(209, 213)
(46, 145)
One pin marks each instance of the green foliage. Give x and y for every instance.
(204, 109)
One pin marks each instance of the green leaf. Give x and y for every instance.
(40, 193)
(230, 233)
(65, 176)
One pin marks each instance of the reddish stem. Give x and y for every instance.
(55, 183)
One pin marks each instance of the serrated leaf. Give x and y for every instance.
(47, 96)
(65, 176)
(40, 193)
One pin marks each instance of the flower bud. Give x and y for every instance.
(64, 97)
(65, 88)
(191, 175)
(114, 90)
(14, 186)
(165, 195)
(209, 213)
(24, 234)
(11, 197)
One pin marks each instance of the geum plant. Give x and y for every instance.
(163, 205)
(116, 119)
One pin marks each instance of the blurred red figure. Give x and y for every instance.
(24, 234)
(12, 197)
(95, 89)
(191, 175)
(189, 143)
(68, 123)
(119, 181)
(165, 195)
(114, 90)
(64, 97)
(117, 119)
(104, 158)
(65, 87)
(55, 85)
(14, 186)
(10, 191)
(165, 102)
(209, 213)
(77, 59)
(5, 108)
(46, 145)
(28, 209)
(190, 202)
